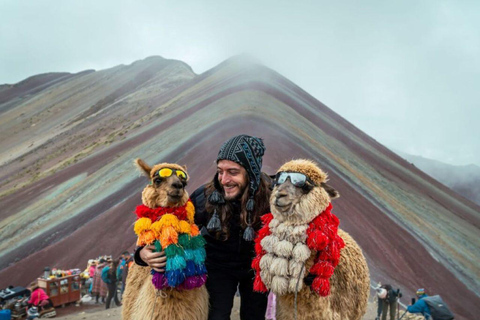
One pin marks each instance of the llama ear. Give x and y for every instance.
(184, 167)
(331, 192)
(143, 166)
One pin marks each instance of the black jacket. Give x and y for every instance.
(231, 253)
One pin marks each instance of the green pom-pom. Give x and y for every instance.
(173, 251)
(158, 246)
(197, 242)
(184, 240)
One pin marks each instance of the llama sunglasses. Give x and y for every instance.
(167, 172)
(297, 179)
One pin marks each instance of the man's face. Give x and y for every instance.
(232, 177)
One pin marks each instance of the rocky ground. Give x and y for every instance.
(98, 312)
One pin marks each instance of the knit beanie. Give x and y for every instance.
(247, 151)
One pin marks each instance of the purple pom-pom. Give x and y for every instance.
(159, 280)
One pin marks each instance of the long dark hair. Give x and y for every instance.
(225, 211)
(113, 269)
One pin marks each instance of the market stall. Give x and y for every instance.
(61, 290)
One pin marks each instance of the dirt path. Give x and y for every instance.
(98, 312)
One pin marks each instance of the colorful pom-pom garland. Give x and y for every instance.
(173, 230)
(322, 238)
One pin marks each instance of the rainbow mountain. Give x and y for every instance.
(69, 187)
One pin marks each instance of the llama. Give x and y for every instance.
(166, 219)
(303, 256)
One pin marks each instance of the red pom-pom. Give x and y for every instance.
(325, 255)
(317, 240)
(263, 232)
(319, 222)
(335, 252)
(256, 263)
(334, 220)
(258, 284)
(321, 286)
(258, 248)
(266, 218)
(143, 211)
(323, 269)
(341, 243)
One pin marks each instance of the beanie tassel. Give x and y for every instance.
(214, 224)
(250, 204)
(249, 234)
(216, 198)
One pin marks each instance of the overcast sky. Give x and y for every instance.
(405, 72)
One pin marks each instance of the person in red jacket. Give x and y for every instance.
(38, 297)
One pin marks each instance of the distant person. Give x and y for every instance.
(128, 258)
(388, 299)
(92, 267)
(99, 288)
(432, 308)
(39, 298)
(381, 294)
(110, 277)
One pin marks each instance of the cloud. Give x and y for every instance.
(406, 73)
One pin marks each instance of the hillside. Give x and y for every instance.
(465, 180)
(69, 186)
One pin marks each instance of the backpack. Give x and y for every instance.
(438, 308)
(105, 277)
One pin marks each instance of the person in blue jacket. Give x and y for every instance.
(420, 306)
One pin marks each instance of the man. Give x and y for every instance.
(420, 306)
(228, 211)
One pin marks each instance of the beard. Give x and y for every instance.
(234, 193)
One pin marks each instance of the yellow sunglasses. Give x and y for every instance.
(167, 172)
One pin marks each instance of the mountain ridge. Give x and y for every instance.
(412, 228)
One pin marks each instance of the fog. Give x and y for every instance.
(407, 73)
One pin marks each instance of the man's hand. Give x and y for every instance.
(155, 260)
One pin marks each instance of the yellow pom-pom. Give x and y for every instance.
(141, 225)
(190, 211)
(157, 228)
(184, 227)
(169, 220)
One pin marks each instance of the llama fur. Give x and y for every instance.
(350, 282)
(141, 300)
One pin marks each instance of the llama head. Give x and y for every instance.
(300, 192)
(167, 184)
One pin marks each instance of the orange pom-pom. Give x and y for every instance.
(169, 236)
(148, 237)
(195, 231)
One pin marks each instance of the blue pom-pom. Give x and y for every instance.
(189, 254)
(175, 277)
(190, 270)
(200, 269)
(176, 263)
(199, 256)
